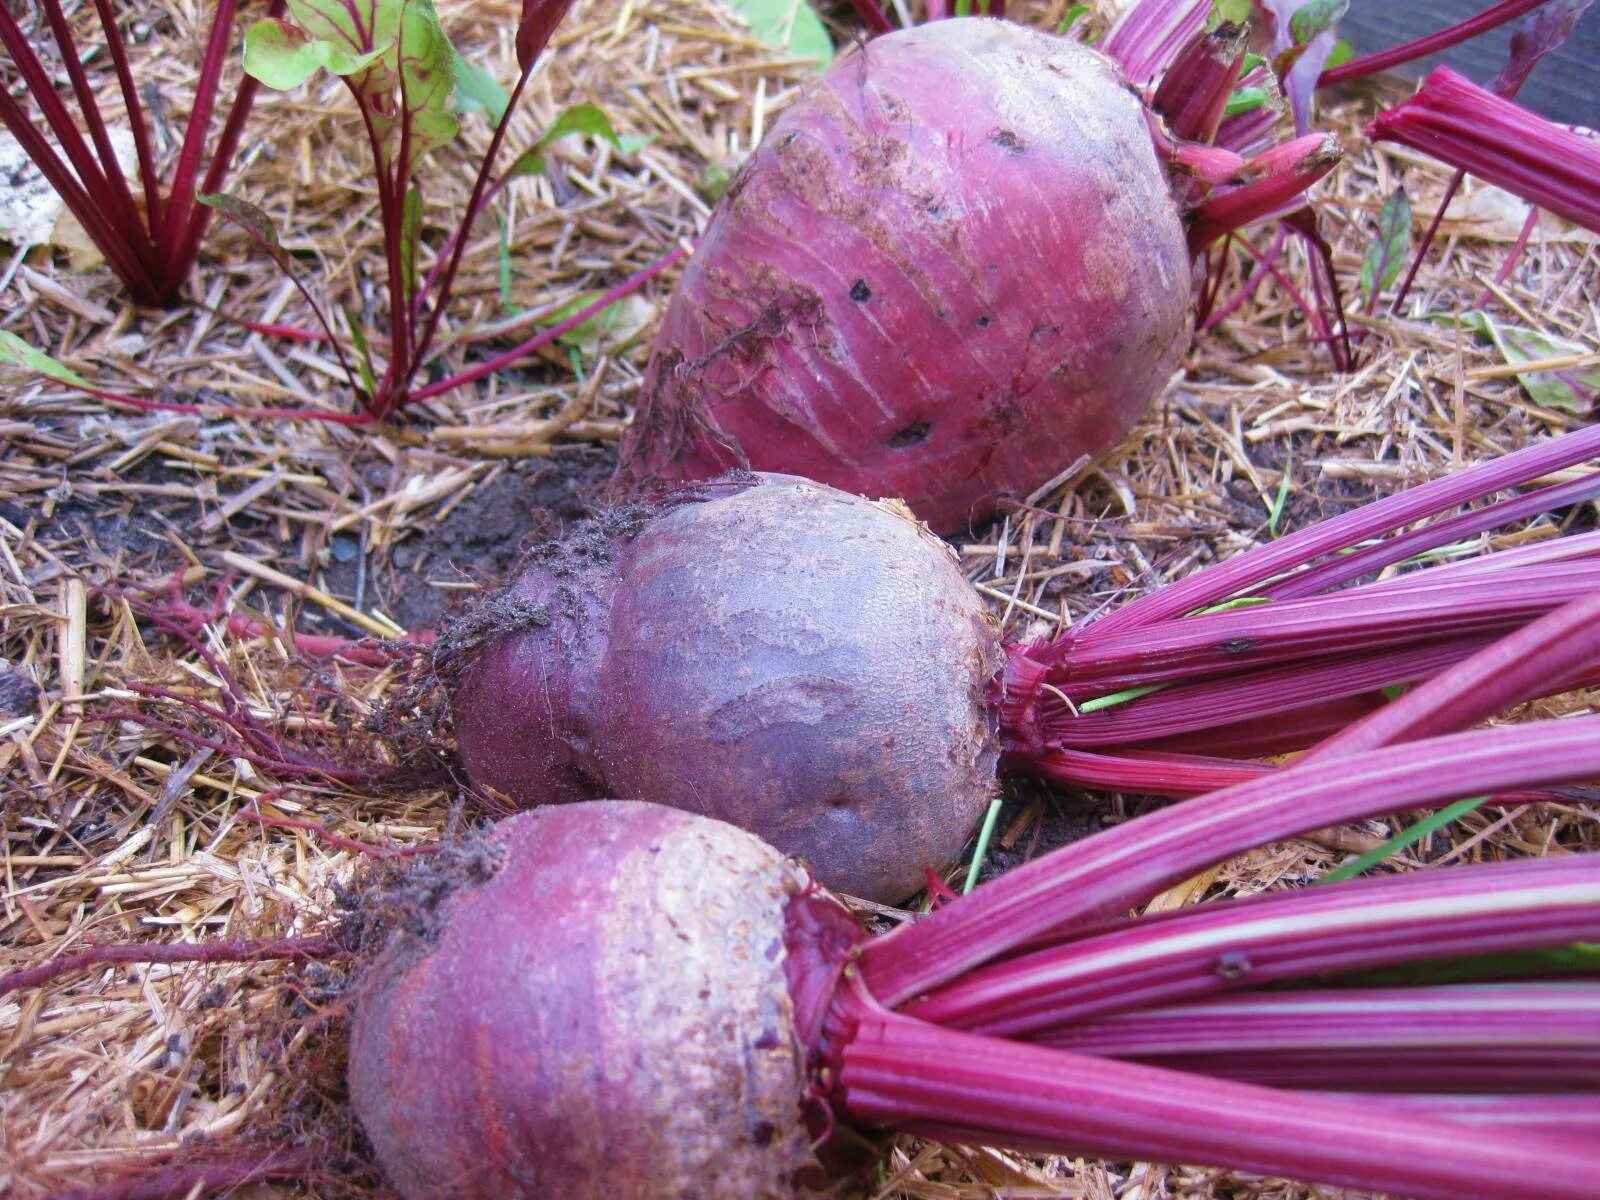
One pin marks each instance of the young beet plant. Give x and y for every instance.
(149, 237)
(627, 1001)
(407, 80)
(400, 67)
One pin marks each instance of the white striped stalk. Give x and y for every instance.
(902, 1073)
(1109, 873)
(1233, 944)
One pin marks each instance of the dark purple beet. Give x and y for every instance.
(608, 1017)
(800, 662)
(953, 265)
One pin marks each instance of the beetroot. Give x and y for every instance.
(813, 667)
(951, 267)
(620, 1000)
(642, 1004)
(606, 1017)
(797, 661)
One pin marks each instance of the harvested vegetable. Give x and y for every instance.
(645, 1003)
(624, 1000)
(812, 666)
(819, 677)
(954, 265)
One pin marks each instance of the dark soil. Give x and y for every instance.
(485, 535)
(1069, 815)
(99, 529)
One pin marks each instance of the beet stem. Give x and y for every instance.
(1227, 945)
(1469, 127)
(1254, 696)
(1431, 43)
(1558, 1115)
(1405, 611)
(1528, 663)
(1443, 1018)
(1150, 35)
(1256, 566)
(1282, 175)
(1347, 567)
(1127, 865)
(907, 1074)
(1144, 774)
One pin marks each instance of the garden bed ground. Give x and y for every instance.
(119, 829)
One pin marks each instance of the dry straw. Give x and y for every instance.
(120, 830)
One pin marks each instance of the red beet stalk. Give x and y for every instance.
(1138, 860)
(1469, 127)
(1128, 700)
(1460, 1037)
(151, 243)
(1440, 39)
(1223, 946)
(910, 1075)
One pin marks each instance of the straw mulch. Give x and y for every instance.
(121, 824)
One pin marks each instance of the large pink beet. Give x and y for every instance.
(608, 1017)
(953, 266)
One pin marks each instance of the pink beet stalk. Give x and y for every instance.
(1557, 650)
(1440, 39)
(1561, 1114)
(1469, 127)
(1525, 1015)
(1281, 173)
(1471, 1038)
(1273, 677)
(1193, 94)
(908, 1074)
(1151, 34)
(1118, 868)
(1227, 945)
(1297, 550)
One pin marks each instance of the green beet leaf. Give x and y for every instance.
(393, 55)
(18, 353)
(1572, 389)
(1390, 249)
(587, 119)
(791, 25)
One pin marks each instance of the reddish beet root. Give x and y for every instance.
(620, 1000)
(802, 663)
(953, 265)
(606, 1017)
(643, 1004)
(813, 667)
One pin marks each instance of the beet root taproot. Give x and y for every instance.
(772, 652)
(607, 1017)
(953, 266)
